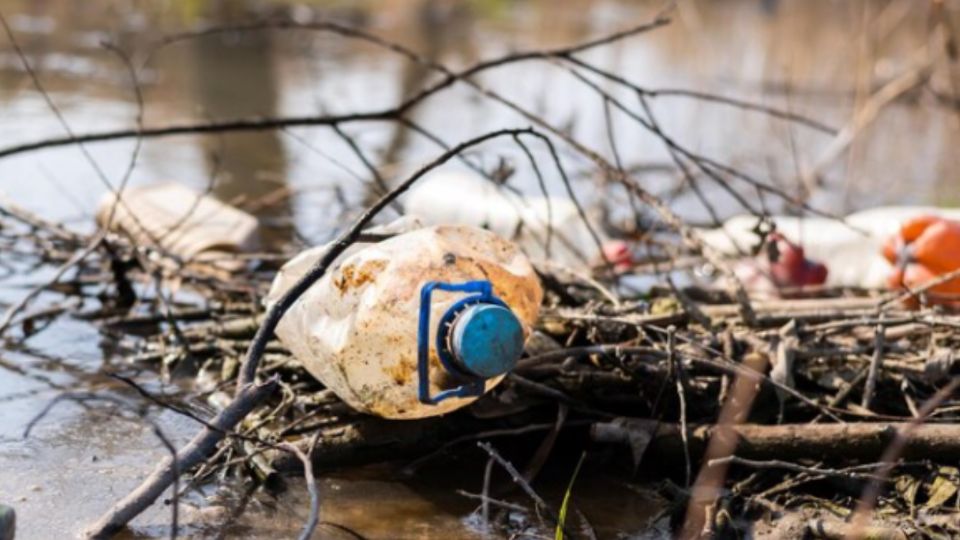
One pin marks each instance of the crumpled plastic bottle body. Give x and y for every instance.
(356, 328)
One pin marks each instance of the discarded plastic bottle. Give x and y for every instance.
(182, 221)
(545, 228)
(417, 325)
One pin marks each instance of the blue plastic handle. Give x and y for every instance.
(480, 291)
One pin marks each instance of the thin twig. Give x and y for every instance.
(74, 260)
(307, 532)
(875, 364)
(518, 479)
(847, 472)
(678, 376)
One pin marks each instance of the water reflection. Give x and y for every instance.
(235, 76)
(816, 58)
(439, 28)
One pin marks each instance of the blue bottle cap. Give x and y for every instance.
(487, 340)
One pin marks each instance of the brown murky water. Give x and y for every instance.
(818, 58)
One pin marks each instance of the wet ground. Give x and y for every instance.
(817, 58)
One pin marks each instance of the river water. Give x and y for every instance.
(822, 59)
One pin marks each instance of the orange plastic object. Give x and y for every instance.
(909, 231)
(938, 247)
(914, 227)
(915, 276)
(926, 248)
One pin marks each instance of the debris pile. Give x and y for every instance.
(828, 409)
(807, 397)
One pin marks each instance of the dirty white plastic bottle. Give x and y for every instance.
(416, 325)
(545, 228)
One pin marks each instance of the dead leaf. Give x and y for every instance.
(944, 487)
(907, 487)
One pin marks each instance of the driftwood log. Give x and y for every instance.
(372, 440)
(860, 441)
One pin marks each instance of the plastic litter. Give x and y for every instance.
(451, 196)
(781, 268)
(925, 248)
(417, 325)
(179, 220)
(851, 248)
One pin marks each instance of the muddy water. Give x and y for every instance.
(818, 58)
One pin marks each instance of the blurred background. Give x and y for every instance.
(822, 59)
